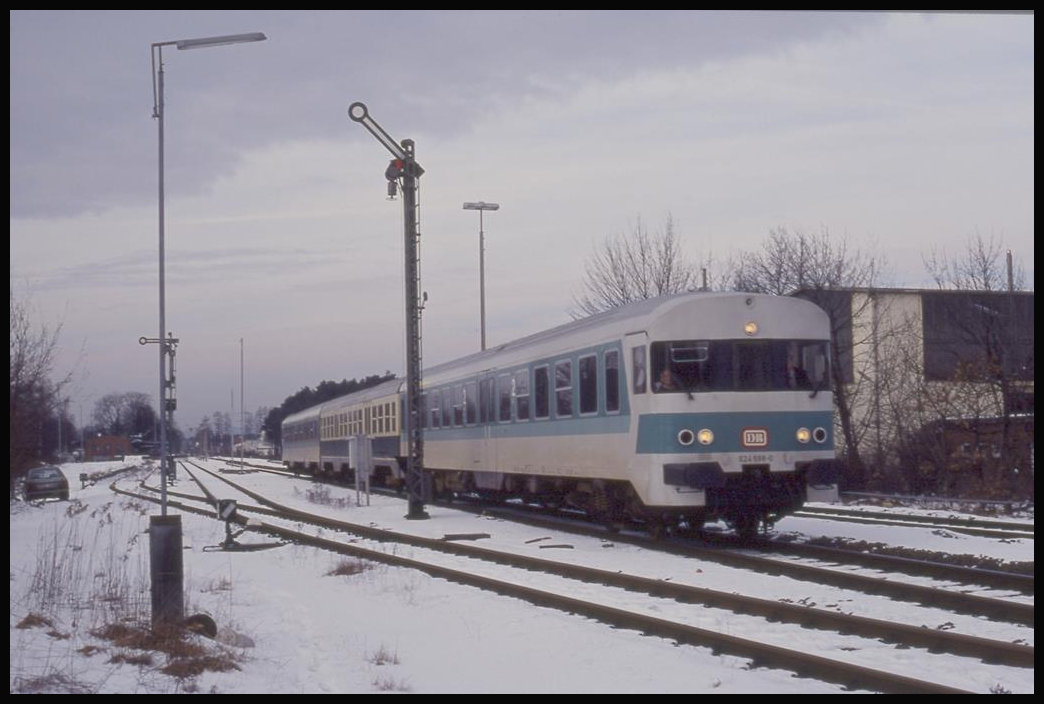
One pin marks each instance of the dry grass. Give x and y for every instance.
(87, 570)
(348, 568)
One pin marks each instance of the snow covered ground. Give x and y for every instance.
(295, 619)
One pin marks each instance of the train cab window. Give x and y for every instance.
(612, 381)
(588, 372)
(541, 393)
(638, 369)
(504, 397)
(739, 365)
(807, 366)
(469, 402)
(521, 394)
(680, 366)
(563, 389)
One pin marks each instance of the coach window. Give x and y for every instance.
(522, 394)
(458, 405)
(486, 401)
(504, 397)
(469, 402)
(612, 381)
(541, 393)
(638, 368)
(434, 408)
(588, 371)
(447, 408)
(563, 389)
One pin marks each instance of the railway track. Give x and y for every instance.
(988, 528)
(456, 557)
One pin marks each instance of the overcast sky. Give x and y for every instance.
(903, 133)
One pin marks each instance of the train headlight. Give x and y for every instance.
(750, 328)
(819, 435)
(705, 436)
(686, 437)
(803, 435)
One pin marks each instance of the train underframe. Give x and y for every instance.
(746, 501)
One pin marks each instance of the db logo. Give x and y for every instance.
(755, 437)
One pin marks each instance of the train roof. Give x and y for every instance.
(385, 388)
(616, 322)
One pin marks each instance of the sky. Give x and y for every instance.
(397, 630)
(902, 134)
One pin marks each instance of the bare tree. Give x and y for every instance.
(824, 268)
(126, 413)
(35, 395)
(977, 268)
(984, 345)
(633, 268)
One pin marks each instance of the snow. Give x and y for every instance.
(291, 626)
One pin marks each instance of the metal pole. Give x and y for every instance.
(162, 398)
(482, 279)
(242, 414)
(481, 207)
(415, 455)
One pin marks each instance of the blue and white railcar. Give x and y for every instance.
(300, 432)
(691, 407)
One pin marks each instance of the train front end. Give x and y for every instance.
(734, 411)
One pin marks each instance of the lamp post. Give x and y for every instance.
(165, 343)
(482, 206)
(165, 532)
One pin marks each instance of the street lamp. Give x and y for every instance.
(165, 531)
(482, 206)
(157, 113)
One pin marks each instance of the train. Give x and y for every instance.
(672, 412)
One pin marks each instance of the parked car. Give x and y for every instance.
(45, 482)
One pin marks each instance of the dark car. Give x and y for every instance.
(45, 482)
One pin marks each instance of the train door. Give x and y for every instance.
(487, 451)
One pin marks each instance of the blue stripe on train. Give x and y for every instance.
(658, 433)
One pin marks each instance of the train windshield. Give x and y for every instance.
(687, 366)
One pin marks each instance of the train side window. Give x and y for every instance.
(458, 405)
(588, 372)
(521, 393)
(447, 408)
(486, 401)
(541, 393)
(435, 409)
(563, 389)
(638, 368)
(504, 396)
(469, 402)
(612, 381)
